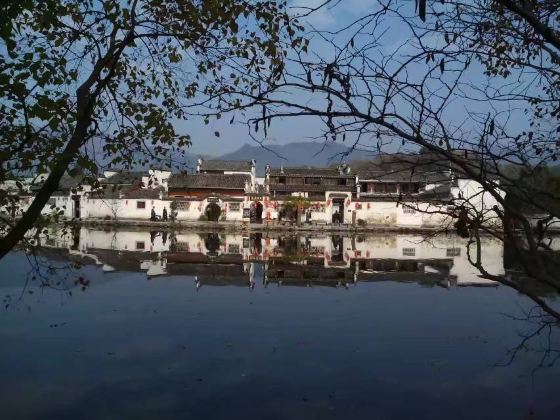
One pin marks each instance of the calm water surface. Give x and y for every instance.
(231, 326)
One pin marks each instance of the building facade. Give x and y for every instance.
(408, 191)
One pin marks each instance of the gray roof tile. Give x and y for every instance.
(216, 181)
(309, 171)
(125, 178)
(226, 165)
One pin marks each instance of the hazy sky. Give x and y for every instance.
(302, 129)
(281, 132)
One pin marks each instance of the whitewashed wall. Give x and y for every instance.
(197, 208)
(123, 208)
(406, 214)
(479, 202)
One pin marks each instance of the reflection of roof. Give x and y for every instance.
(226, 165)
(122, 260)
(212, 274)
(217, 181)
(223, 270)
(313, 273)
(310, 172)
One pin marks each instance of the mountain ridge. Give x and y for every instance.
(312, 154)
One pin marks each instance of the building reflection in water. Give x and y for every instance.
(234, 259)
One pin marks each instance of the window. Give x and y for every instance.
(358, 206)
(342, 181)
(408, 210)
(409, 252)
(183, 205)
(282, 180)
(378, 187)
(453, 252)
(234, 206)
(404, 188)
(140, 245)
(140, 204)
(233, 249)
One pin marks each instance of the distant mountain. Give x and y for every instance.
(297, 154)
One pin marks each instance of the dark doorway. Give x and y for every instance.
(75, 238)
(338, 210)
(213, 212)
(76, 199)
(257, 212)
(212, 244)
(256, 239)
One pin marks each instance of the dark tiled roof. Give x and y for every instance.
(310, 187)
(226, 165)
(68, 182)
(116, 191)
(125, 178)
(427, 166)
(310, 172)
(441, 192)
(217, 181)
(148, 193)
(391, 176)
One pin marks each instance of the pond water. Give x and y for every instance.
(138, 324)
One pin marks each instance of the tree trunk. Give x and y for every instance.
(17, 233)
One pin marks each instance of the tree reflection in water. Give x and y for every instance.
(239, 259)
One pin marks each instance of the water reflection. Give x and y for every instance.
(363, 330)
(285, 260)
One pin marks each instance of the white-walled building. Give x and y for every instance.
(412, 191)
(218, 191)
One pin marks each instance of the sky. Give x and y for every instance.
(344, 12)
(232, 137)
